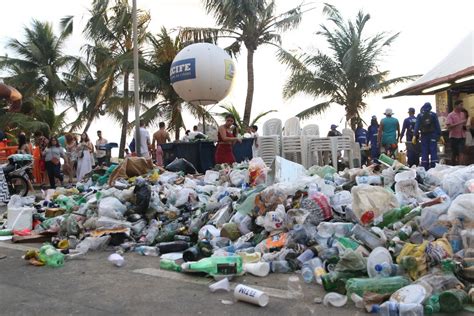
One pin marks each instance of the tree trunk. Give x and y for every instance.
(123, 137)
(89, 121)
(250, 88)
(176, 133)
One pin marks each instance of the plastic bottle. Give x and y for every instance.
(377, 180)
(152, 231)
(327, 253)
(171, 265)
(398, 309)
(231, 265)
(348, 243)
(51, 256)
(280, 266)
(366, 237)
(388, 286)
(308, 254)
(386, 269)
(328, 229)
(313, 270)
(147, 251)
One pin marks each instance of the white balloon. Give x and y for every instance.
(202, 74)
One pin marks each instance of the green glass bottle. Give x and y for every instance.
(392, 216)
(389, 285)
(231, 265)
(171, 265)
(432, 305)
(336, 281)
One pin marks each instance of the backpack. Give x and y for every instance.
(426, 125)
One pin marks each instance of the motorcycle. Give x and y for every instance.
(18, 173)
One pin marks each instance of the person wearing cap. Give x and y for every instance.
(427, 126)
(334, 132)
(408, 126)
(389, 131)
(361, 138)
(372, 135)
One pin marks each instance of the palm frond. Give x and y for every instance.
(314, 110)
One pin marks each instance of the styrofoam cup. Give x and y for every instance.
(250, 295)
(220, 285)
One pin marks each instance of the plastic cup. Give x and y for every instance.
(250, 295)
(222, 285)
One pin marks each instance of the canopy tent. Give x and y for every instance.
(454, 69)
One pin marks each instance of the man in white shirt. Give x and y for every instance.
(144, 141)
(254, 133)
(100, 152)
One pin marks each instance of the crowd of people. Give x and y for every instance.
(421, 133)
(78, 154)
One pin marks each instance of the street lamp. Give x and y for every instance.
(135, 79)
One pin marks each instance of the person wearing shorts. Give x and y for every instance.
(457, 135)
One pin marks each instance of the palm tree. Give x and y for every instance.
(36, 69)
(111, 26)
(230, 109)
(252, 23)
(349, 74)
(156, 83)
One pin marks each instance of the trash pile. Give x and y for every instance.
(392, 239)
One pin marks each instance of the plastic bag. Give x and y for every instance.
(93, 243)
(453, 183)
(323, 172)
(211, 176)
(183, 196)
(377, 199)
(351, 261)
(269, 199)
(340, 200)
(469, 185)
(143, 196)
(462, 207)
(257, 171)
(418, 252)
(181, 164)
(275, 220)
(110, 223)
(407, 191)
(111, 207)
(239, 177)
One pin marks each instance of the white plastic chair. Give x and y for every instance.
(356, 158)
(272, 127)
(292, 127)
(310, 130)
(317, 147)
(268, 148)
(345, 143)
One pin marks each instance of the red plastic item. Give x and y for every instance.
(23, 232)
(367, 217)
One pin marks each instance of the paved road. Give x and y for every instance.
(93, 286)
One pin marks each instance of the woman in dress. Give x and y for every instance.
(71, 156)
(85, 149)
(226, 138)
(52, 155)
(23, 147)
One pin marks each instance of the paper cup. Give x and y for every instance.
(250, 295)
(222, 285)
(261, 269)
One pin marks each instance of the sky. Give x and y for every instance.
(429, 30)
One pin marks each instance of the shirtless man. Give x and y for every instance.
(160, 137)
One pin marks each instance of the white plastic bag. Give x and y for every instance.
(341, 199)
(239, 177)
(211, 176)
(453, 182)
(275, 220)
(377, 199)
(462, 207)
(183, 196)
(111, 207)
